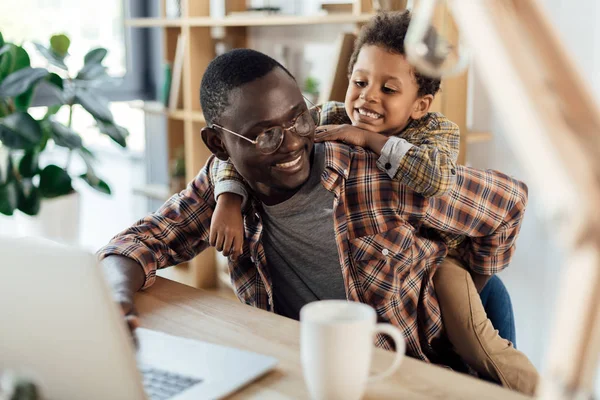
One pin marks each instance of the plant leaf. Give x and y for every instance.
(8, 197)
(64, 136)
(1, 40)
(55, 80)
(52, 110)
(4, 48)
(20, 131)
(20, 81)
(29, 198)
(59, 44)
(115, 132)
(95, 56)
(91, 72)
(88, 158)
(96, 183)
(28, 166)
(22, 59)
(23, 101)
(14, 59)
(53, 58)
(7, 60)
(94, 104)
(55, 182)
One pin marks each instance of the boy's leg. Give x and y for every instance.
(498, 307)
(472, 334)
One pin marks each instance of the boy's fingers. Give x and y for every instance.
(227, 246)
(213, 237)
(328, 136)
(219, 242)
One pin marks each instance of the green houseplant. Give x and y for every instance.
(24, 183)
(311, 89)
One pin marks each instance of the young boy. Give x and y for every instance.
(387, 111)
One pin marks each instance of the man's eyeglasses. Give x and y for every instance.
(269, 141)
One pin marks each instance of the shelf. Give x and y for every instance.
(153, 191)
(155, 107)
(275, 20)
(479, 137)
(154, 22)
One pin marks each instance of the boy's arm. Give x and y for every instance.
(227, 180)
(175, 233)
(428, 163)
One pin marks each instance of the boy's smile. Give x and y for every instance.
(382, 93)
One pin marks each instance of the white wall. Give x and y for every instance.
(534, 277)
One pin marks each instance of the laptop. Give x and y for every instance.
(60, 328)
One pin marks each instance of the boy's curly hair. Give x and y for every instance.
(388, 30)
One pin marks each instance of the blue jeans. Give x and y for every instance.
(497, 305)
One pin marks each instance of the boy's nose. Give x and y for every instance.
(368, 96)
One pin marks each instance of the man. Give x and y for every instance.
(315, 208)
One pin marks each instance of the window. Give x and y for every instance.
(89, 24)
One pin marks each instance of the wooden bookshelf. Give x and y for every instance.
(186, 120)
(275, 20)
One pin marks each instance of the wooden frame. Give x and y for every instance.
(553, 126)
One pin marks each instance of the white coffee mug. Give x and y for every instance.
(336, 342)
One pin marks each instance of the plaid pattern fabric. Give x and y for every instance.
(387, 236)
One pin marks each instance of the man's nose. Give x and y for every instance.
(291, 141)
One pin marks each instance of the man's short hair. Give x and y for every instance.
(229, 71)
(388, 30)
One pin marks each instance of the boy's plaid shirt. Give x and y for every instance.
(390, 239)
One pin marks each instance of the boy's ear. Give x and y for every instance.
(213, 141)
(421, 106)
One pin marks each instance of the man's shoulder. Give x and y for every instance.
(333, 113)
(352, 160)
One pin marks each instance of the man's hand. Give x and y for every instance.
(125, 301)
(125, 277)
(227, 226)
(351, 135)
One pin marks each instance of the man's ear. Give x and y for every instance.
(213, 141)
(421, 106)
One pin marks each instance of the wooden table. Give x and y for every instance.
(199, 314)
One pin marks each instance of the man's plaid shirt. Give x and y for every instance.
(389, 238)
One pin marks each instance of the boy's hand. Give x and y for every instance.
(342, 133)
(227, 226)
(351, 135)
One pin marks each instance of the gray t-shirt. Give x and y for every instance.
(300, 248)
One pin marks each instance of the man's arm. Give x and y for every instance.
(125, 277)
(175, 233)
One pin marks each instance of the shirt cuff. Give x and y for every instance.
(391, 154)
(134, 251)
(231, 186)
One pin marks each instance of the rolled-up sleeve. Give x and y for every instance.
(175, 233)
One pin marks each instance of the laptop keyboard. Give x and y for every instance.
(162, 385)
